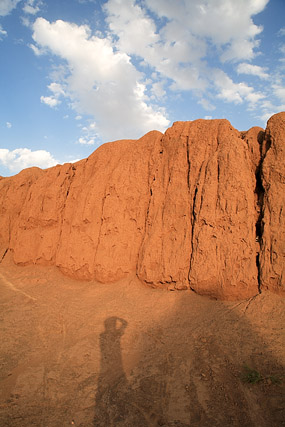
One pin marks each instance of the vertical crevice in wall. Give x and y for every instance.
(154, 164)
(193, 208)
(193, 199)
(265, 144)
(188, 164)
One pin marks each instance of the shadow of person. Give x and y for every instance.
(119, 403)
(112, 381)
(114, 401)
(111, 355)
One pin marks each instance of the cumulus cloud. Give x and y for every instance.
(254, 98)
(228, 90)
(102, 82)
(8, 125)
(174, 51)
(227, 23)
(179, 49)
(151, 47)
(51, 101)
(56, 89)
(32, 7)
(254, 70)
(22, 158)
(6, 6)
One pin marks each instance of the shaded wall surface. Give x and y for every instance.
(200, 207)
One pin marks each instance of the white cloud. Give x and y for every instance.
(102, 82)
(267, 109)
(227, 23)
(178, 49)
(26, 21)
(228, 90)
(22, 158)
(86, 141)
(90, 135)
(173, 52)
(158, 90)
(281, 32)
(254, 70)
(74, 160)
(6, 6)
(206, 104)
(8, 125)
(266, 114)
(86, 1)
(3, 33)
(240, 49)
(51, 101)
(254, 98)
(56, 89)
(117, 79)
(37, 51)
(32, 7)
(140, 28)
(279, 91)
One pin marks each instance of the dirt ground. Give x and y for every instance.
(122, 354)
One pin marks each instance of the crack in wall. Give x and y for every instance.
(264, 141)
(189, 164)
(193, 220)
(3, 256)
(151, 173)
(192, 230)
(70, 180)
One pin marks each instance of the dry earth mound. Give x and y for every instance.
(200, 207)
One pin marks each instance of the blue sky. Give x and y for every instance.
(77, 73)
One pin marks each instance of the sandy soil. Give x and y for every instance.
(87, 354)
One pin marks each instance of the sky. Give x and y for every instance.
(78, 73)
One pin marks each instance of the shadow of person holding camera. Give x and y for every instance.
(112, 388)
(119, 403)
